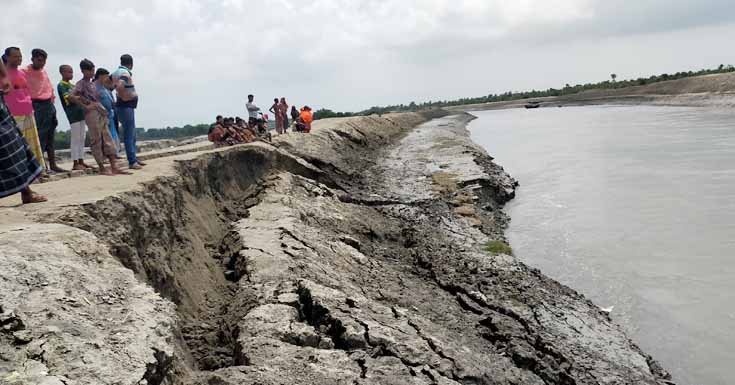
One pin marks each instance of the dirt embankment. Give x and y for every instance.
(353, 255)
(699, 91)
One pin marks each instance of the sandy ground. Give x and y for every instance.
(85, 189)
(89, 188)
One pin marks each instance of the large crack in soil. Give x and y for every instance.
(176, 234)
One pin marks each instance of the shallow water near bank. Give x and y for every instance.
(635, 208)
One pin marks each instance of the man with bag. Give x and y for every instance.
(127, 102)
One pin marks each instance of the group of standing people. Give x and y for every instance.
(280, 111)
(28, 119)
(90, 104)
(301, 121)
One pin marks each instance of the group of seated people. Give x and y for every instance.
(231, 131)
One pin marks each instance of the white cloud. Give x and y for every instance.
(197, 58)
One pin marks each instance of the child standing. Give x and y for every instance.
(75, 114)
(104, 84)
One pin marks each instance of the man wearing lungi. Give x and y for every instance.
(42, 96)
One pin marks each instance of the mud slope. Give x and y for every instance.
(354, 255)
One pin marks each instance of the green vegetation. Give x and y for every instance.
(186, 131)
(498, 247)
(325, 113)
(62, 139)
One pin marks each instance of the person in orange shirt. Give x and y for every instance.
(42, 96)
(307, 118)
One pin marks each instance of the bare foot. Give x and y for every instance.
(117, 171)
(78, 167)
(33, 198)
(106, 172)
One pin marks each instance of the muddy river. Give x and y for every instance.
(635, 208)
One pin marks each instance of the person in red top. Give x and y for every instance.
(42, 96)
(18, 167)
(19, 101)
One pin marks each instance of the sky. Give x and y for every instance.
(195, 59)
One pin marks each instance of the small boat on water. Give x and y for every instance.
(530, 105)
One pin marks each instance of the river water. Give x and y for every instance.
(635, 208)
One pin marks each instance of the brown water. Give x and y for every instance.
(635, 208)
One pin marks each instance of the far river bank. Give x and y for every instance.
(717, 91)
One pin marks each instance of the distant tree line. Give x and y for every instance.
(566, 90)
(62, 139)
(326, 113)
(186, 131)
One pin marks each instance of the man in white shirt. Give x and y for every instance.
(252, 111)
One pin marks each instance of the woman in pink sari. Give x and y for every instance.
(284, 112)
(276, 110)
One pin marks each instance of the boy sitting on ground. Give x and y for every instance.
(241, 126)
(217, 132)
(232, 131)
(299, 125)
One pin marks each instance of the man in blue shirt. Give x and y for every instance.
(127, 102)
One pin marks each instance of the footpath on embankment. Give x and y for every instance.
(352, 255)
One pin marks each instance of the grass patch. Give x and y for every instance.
(444, 182)
(498, 247)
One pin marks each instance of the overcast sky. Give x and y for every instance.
(197, 58)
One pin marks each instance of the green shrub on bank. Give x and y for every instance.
(62, 139)
(327, 113)
(498, 247)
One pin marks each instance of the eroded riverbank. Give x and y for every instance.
(353, 255)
